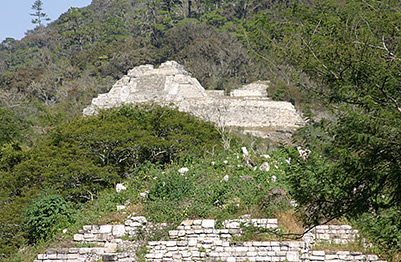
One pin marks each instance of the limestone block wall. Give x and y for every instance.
(120, 257)
(217, 250)
(199, 240)
(343, 256)
(71, 254)
(246, 113)
(205, 240)
(106, 233)
(336, 234)
(256, 89)
(270, 223)
(215, 93)
(205, 229)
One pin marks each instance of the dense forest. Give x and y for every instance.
(337, 61)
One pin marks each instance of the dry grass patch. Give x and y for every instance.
(290, 222)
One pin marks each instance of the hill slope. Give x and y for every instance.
(343, 55)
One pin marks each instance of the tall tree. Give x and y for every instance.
(39, 15)
(351, 50)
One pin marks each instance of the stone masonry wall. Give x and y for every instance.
(256, 89)
(247, 107)
(204, 240)
(335, 234)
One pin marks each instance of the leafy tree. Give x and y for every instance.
(350, 50)
(213, 56)
(11, 127)
(126, 137)
(39, 15)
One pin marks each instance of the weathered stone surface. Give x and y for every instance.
(110, 247)
(200, 240)
(256, 89)
(247, 107)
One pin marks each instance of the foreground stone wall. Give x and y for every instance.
(334, 234)
(247, 107)
(217, 250)
(106, 233)
(204, 240)
(71, 254)
(343, 256)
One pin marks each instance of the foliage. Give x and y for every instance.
(12, 127)
(350, 50)
(339, 55)
(46, 214)
(39, 15)
(81, 158)
(216, 58)
(65, 64)
(130, 135)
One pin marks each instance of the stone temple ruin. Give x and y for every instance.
(248, 108)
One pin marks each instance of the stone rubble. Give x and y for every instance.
(247, 107)
(204, 240)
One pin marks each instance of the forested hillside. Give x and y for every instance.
(83, 52)
(338, 61)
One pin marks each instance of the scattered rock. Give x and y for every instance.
(144, 194)
(265, 167)
(303, 153)
(140, 219)
(183, 170)
(120, 207)
(247, 161)
(244, 151)
(120, 187)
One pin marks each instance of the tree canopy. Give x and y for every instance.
(351, 52)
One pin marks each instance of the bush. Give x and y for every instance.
(47, 214)
(126, 137)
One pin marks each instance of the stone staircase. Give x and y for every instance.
(203, 240)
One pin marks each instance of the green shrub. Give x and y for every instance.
(383, 228)
(47, 214)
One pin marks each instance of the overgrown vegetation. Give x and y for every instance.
(337, 61)
(350, 50)
(81, 158)
(218, 185)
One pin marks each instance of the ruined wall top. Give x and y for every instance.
(255, 89)
(167, 68)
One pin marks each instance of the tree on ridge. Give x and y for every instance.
(38, 14)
